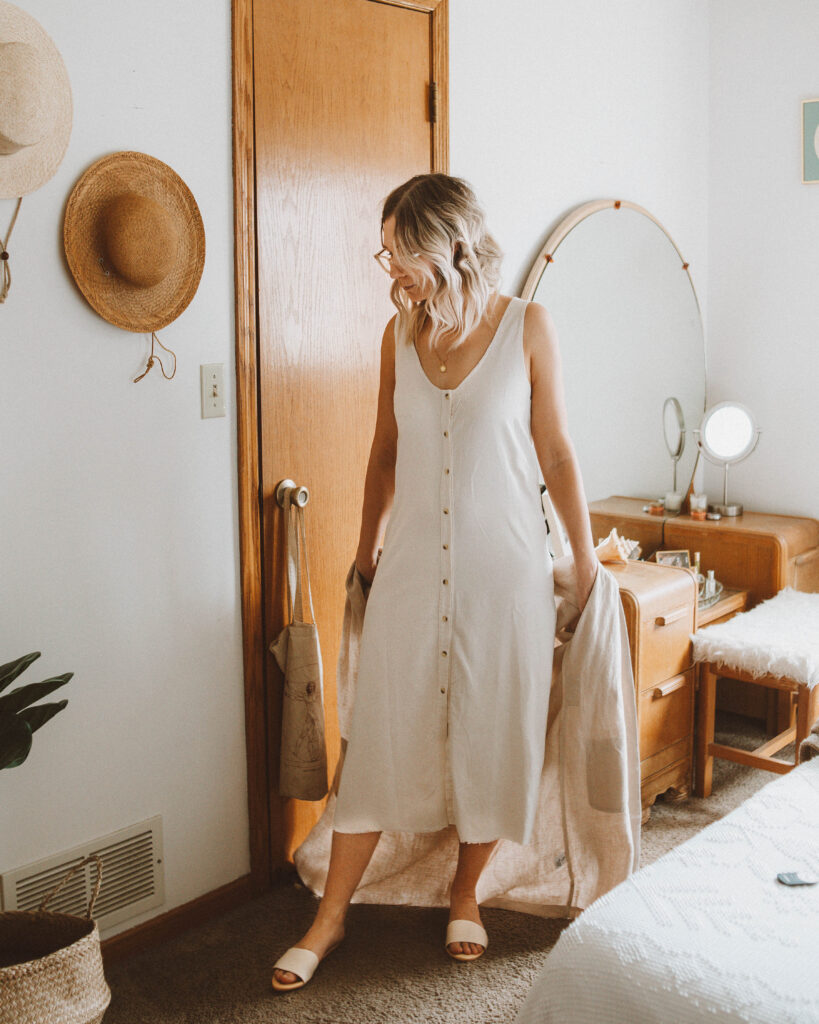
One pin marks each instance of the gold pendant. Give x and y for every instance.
(442, 368)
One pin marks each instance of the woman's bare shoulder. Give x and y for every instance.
(389, 337)
(539, 337)
(537, 320)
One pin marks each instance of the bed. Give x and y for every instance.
(705, 933)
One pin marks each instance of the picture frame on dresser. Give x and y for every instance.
(680, 558)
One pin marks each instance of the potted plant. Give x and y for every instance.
(50, 963)
(18, 719)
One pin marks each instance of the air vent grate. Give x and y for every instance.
(132, 877)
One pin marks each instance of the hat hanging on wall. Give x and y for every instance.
(35, 113)
(135, 243)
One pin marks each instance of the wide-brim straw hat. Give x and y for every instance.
(134, 241)
(35, 104)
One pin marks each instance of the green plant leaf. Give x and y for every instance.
(12, 669)
(20, 698)
(42, 713)
(15, 740)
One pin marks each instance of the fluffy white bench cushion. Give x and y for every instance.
(779, 637)
(706, 933)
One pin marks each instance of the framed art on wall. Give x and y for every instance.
(810, 142)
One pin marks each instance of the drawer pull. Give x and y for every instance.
(669, 687)
(675, 616)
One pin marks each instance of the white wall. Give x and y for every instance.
(119, 537)
(118, 505)
(554, 104)
(764, 246)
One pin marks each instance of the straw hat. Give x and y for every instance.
(35, 104)
(134, 241)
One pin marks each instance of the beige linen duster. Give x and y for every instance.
(586, 837)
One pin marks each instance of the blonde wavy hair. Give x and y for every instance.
(438, 221)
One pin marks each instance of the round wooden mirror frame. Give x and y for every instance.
(552, 243)
(571, 221)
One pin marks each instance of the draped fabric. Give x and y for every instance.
(586, 834)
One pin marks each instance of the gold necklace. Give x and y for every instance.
(442, 362)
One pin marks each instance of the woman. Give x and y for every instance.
(456, 650)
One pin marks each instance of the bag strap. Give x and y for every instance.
(296, 544)
(294, 607)
(302, 521)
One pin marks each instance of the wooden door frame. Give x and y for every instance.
(247, 392)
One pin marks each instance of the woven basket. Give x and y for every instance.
(54, 973)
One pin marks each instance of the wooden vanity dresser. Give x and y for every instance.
(753, 556)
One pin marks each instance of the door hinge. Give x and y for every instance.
(433, 102)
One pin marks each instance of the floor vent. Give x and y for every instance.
(132, 877)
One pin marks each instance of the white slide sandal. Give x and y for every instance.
(298, 961)
(466, 931)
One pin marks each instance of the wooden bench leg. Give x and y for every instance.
(706, 708)
(803, 722)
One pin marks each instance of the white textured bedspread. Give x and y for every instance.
(705, 933)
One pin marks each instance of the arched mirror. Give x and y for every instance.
(631, 337)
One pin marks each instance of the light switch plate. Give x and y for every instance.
(213, 389)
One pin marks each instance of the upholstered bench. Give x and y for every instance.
(776, 645)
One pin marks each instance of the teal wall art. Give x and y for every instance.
(810, 141)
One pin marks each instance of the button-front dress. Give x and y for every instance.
(449, 721)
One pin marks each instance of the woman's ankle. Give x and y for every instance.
(332, 914)
(463, 893)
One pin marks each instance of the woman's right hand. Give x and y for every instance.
(366, 565)
(366, 570)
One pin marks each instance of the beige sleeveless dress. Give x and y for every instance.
(449, 722)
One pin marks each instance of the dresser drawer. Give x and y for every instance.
(666, 714)
(665, 644)
(659, 603)
(650, 767)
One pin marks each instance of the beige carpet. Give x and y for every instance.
(392, 966)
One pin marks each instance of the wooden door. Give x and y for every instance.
(342, 115)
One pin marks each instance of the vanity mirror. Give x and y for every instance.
(727, 435)
(631, 337)
(674, 433)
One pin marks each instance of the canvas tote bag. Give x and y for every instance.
(303, 765)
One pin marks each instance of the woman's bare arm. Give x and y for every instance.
(553, 445)
(379, 483)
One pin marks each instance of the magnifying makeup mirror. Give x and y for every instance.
(727, 435)
(674, 431)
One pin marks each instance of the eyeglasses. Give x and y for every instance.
(384, 259)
